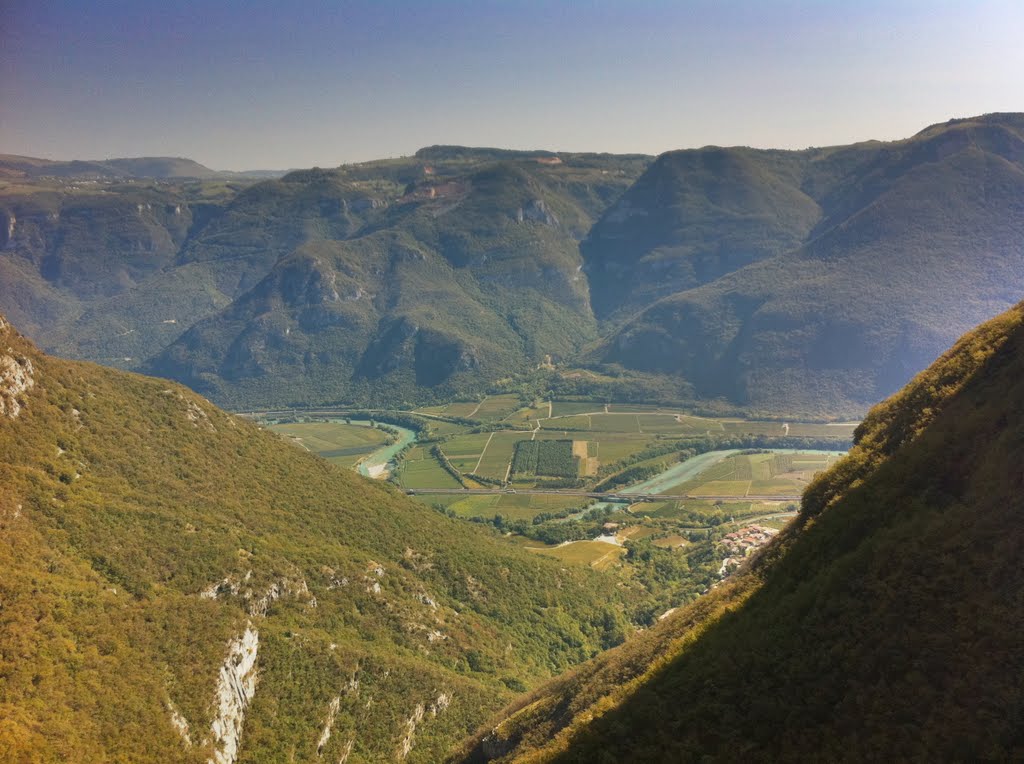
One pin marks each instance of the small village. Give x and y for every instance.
(742, 543)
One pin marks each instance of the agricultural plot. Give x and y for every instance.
(634, 408)
(796, 429)
(636, 532)
(420, 470)
(495, 460)
(756, 474)
(737, 488)
(596, 554)
(466, 445)
(698, 425)
(665, 423)
(568, 408)
(463, 451)
(776, 486)
(578, 422)
(442, 429)
(609, 448)
(435, 410)
(510, 506)
(496, 407)
(464, 409)
(528, 414)
(548, 458)
(585, 453)
(339, 443)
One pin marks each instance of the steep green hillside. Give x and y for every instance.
(454, 267)
(91, 269)
(461, 280)
(917, 241)
(174, 577)
(884, 625)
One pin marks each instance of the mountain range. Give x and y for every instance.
(809, 282)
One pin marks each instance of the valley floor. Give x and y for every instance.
(652, 493)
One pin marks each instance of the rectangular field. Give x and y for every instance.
(568, 408)
(496, 459)
(577, 422)
(795, 429)
(339, 443)
(550, 458)
(596, 554)
(510, 506)
(463, 409)
(420, 470)
(496, 407)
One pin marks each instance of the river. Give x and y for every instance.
(680, 473)
(376, 464)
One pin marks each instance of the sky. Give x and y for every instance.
(262, 84)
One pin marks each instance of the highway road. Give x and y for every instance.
(631, 497)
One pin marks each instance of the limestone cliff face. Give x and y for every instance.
(17, 376)
(236, 687)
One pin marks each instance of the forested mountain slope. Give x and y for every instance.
(409, 278)
(867, 261)
(461, 281)
(885, 624)
(179, 584)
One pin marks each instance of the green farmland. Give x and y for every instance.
(337, 442)
(736, 473)
(510, 506)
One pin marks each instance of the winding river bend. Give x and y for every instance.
(376, 464)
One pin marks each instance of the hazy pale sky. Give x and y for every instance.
(277, 84)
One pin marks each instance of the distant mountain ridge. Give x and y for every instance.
(13, 166)
(771, 282)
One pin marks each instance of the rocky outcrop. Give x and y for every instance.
(180, 723)
(332, 713)
(235, 690)
(257, 601)
(17, 376)
(537, 211)
(439, 704)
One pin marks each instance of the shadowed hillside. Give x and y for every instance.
(883, 625)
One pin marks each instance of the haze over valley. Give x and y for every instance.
(637, 382)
